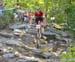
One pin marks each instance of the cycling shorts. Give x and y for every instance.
(39, 19)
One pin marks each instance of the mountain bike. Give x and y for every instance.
(38, 34)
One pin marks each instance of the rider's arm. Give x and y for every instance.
(43, 15)
(45, 22)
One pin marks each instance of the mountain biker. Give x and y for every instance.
(40, 17)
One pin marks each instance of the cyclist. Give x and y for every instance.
(40, 18)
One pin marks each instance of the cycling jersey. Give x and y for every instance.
(38, 17)
(40, 14)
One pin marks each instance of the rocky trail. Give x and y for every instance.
(22, 47)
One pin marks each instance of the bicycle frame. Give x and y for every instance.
(38, 28)
(38, 34)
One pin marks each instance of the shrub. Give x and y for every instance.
(6, 18)
(70, 55)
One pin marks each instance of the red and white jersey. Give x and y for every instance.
(40, 14)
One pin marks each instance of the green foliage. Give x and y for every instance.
(69, 56)
(71, 16)
(6, 19)
(59, 8)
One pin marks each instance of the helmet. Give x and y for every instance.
(38, 9)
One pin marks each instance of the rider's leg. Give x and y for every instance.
(42, 29)
(36, 22)
(41, 22)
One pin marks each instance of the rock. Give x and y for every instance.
(13, 42)
(27, 26)
(28, 39)
(49, 35)
(21, 60)
(54, 60)
(17, 26)
(65, 35)
(49, 28)
(3, 40)
(19, 32)
(11, 54)
(50, 46)
(8, 55)
(66, 39)
(65, 42)
(2, 59)
(44, 37)
(46, 55)
(43, 54)
(27, 59)
(58, 37)
(52, 30)
(17, 54)
(56, 46)
(7, 35)
(42, 41)
(1, 45)
(49, 55)
(51, 41)
(36, 52)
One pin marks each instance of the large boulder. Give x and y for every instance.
(19, 26)
(49, 35)
(29, 40)
(14, 42)
(5, 34)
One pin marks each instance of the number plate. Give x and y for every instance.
(38, 26)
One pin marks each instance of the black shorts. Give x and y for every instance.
(38, 19)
